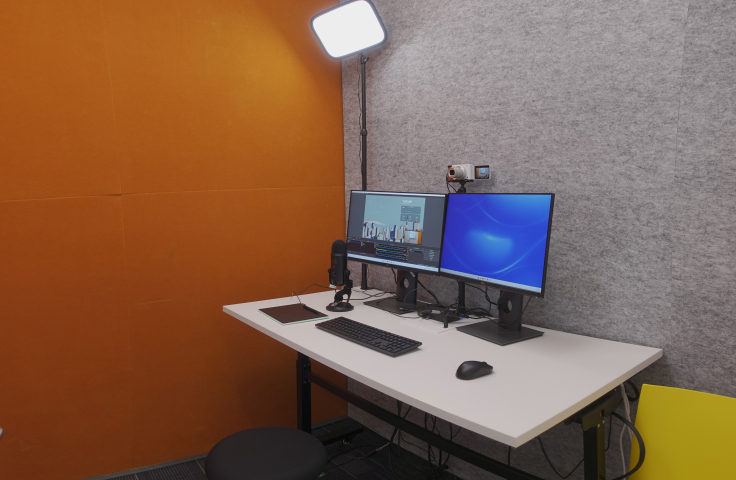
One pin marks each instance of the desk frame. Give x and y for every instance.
(592, 419)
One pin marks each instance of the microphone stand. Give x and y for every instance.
(339, 305)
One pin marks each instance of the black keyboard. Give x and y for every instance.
(379, 340)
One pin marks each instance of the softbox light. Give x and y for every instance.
(349, 28)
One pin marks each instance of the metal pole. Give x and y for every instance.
(594, 443)
(461, 285)
(303, 393)
(364, 154)
(460, 298)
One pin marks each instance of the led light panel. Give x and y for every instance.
(349, 28)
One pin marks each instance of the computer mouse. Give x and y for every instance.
(472, 369)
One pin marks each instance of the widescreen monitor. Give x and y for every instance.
(498, 239)
(394, 229)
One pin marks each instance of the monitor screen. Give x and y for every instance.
(396, 229)
(498, 239)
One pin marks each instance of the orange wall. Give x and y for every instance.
(157, 157)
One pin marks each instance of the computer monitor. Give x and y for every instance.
(399, 230)
(499, 240)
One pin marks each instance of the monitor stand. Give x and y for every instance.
(508, 330)
(406, 295)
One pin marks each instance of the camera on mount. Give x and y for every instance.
(468, 172)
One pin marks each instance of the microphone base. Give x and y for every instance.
(339, 307)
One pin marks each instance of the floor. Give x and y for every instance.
(356, 461)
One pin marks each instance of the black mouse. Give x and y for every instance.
(472, 369)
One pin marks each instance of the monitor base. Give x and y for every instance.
(406, 290)
(491, 332)
(392, 305)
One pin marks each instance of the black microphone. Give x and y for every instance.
(339, 263)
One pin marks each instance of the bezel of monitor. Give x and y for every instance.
(389, 265)
(492, 283)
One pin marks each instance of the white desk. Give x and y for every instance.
(535, 384)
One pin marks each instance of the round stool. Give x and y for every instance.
(274, 453)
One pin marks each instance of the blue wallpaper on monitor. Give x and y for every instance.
(497, 236)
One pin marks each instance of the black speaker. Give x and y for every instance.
(510, 306)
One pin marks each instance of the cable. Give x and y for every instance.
(642, 450)
(553, 467)
(424, 469)
(396, 281)
(439, 464)
(610, 429)
(627, 410)
(434, 468)
(447, 183)
(527, 304)
(486, 313)
(429, 291)
(342, 452)
(396, 429)
(400, 437)
(407, 294)
(312, 285)
(452, 437)
(485, 292)
(608, 445)
(368, 295)
(508, 459)
(636, 391)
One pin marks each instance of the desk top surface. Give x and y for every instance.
(535, 384)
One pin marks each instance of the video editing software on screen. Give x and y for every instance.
(401, 229)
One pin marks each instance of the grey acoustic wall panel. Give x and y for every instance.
(702, 338)
(627, 111)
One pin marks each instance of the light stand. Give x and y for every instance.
(352, 27)
(364, 154)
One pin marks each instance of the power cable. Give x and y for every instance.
(640, 441)
(312, 285)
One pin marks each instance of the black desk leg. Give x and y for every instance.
(304, 405)
(303, 394)
(593, 420)
(595, 452)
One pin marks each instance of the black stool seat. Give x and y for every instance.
(274, 453)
